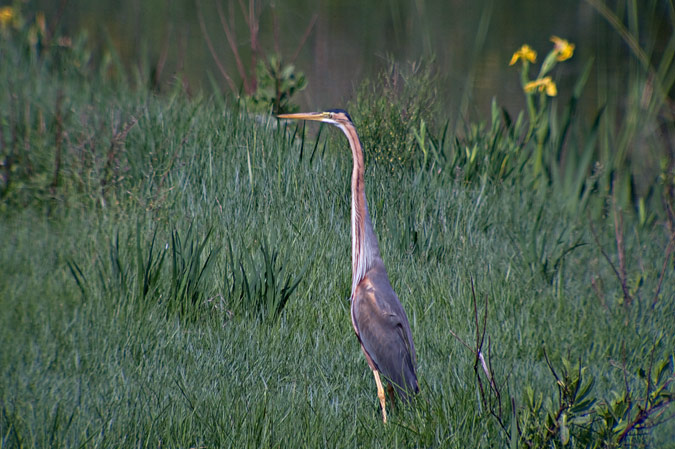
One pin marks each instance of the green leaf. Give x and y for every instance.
(564, 434)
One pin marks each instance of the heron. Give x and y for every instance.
(378, 318)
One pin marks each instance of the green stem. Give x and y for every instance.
(531, 111)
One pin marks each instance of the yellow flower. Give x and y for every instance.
(563, 49)
(6, 16)
(525, 53)
(545, 84)
(551, 88)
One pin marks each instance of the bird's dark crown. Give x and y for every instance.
(340, 111)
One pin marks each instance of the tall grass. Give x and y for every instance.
(180, 278)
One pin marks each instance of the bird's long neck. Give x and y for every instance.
(365, 250)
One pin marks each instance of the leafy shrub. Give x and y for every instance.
(388, 110)
(577, 416)
(277, 83)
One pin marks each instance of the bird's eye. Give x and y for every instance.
(330, 115)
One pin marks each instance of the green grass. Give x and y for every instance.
(113, 334)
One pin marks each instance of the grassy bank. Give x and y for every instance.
(150, 244)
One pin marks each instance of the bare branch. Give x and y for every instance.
(608, 259)
(492, 376)
(666, 258)
(215, 57)
(243, 10)
(550, 366)
(161, 61)
(602, 250)
(462, 341)
(275, 27)
(598, 292)
(624, 370)
(232, 41)
(252, 18)
(480, 359)
(304, 37)
(254, 27)
(621, 251)
(59, 133)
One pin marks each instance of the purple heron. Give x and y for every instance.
(379, 320)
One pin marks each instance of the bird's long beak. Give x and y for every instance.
(315, 116)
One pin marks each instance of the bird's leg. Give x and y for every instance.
(380, 394)
(390, 393)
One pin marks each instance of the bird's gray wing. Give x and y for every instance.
(384, 331)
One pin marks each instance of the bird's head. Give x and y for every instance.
(335, 117)
(339, 118)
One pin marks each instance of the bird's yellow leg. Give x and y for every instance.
(380, 394)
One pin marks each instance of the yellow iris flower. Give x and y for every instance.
(525, 53)
(564, 50)
(6, 16)
(545, 84)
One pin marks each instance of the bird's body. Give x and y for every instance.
(383, 330)
(378, 318)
